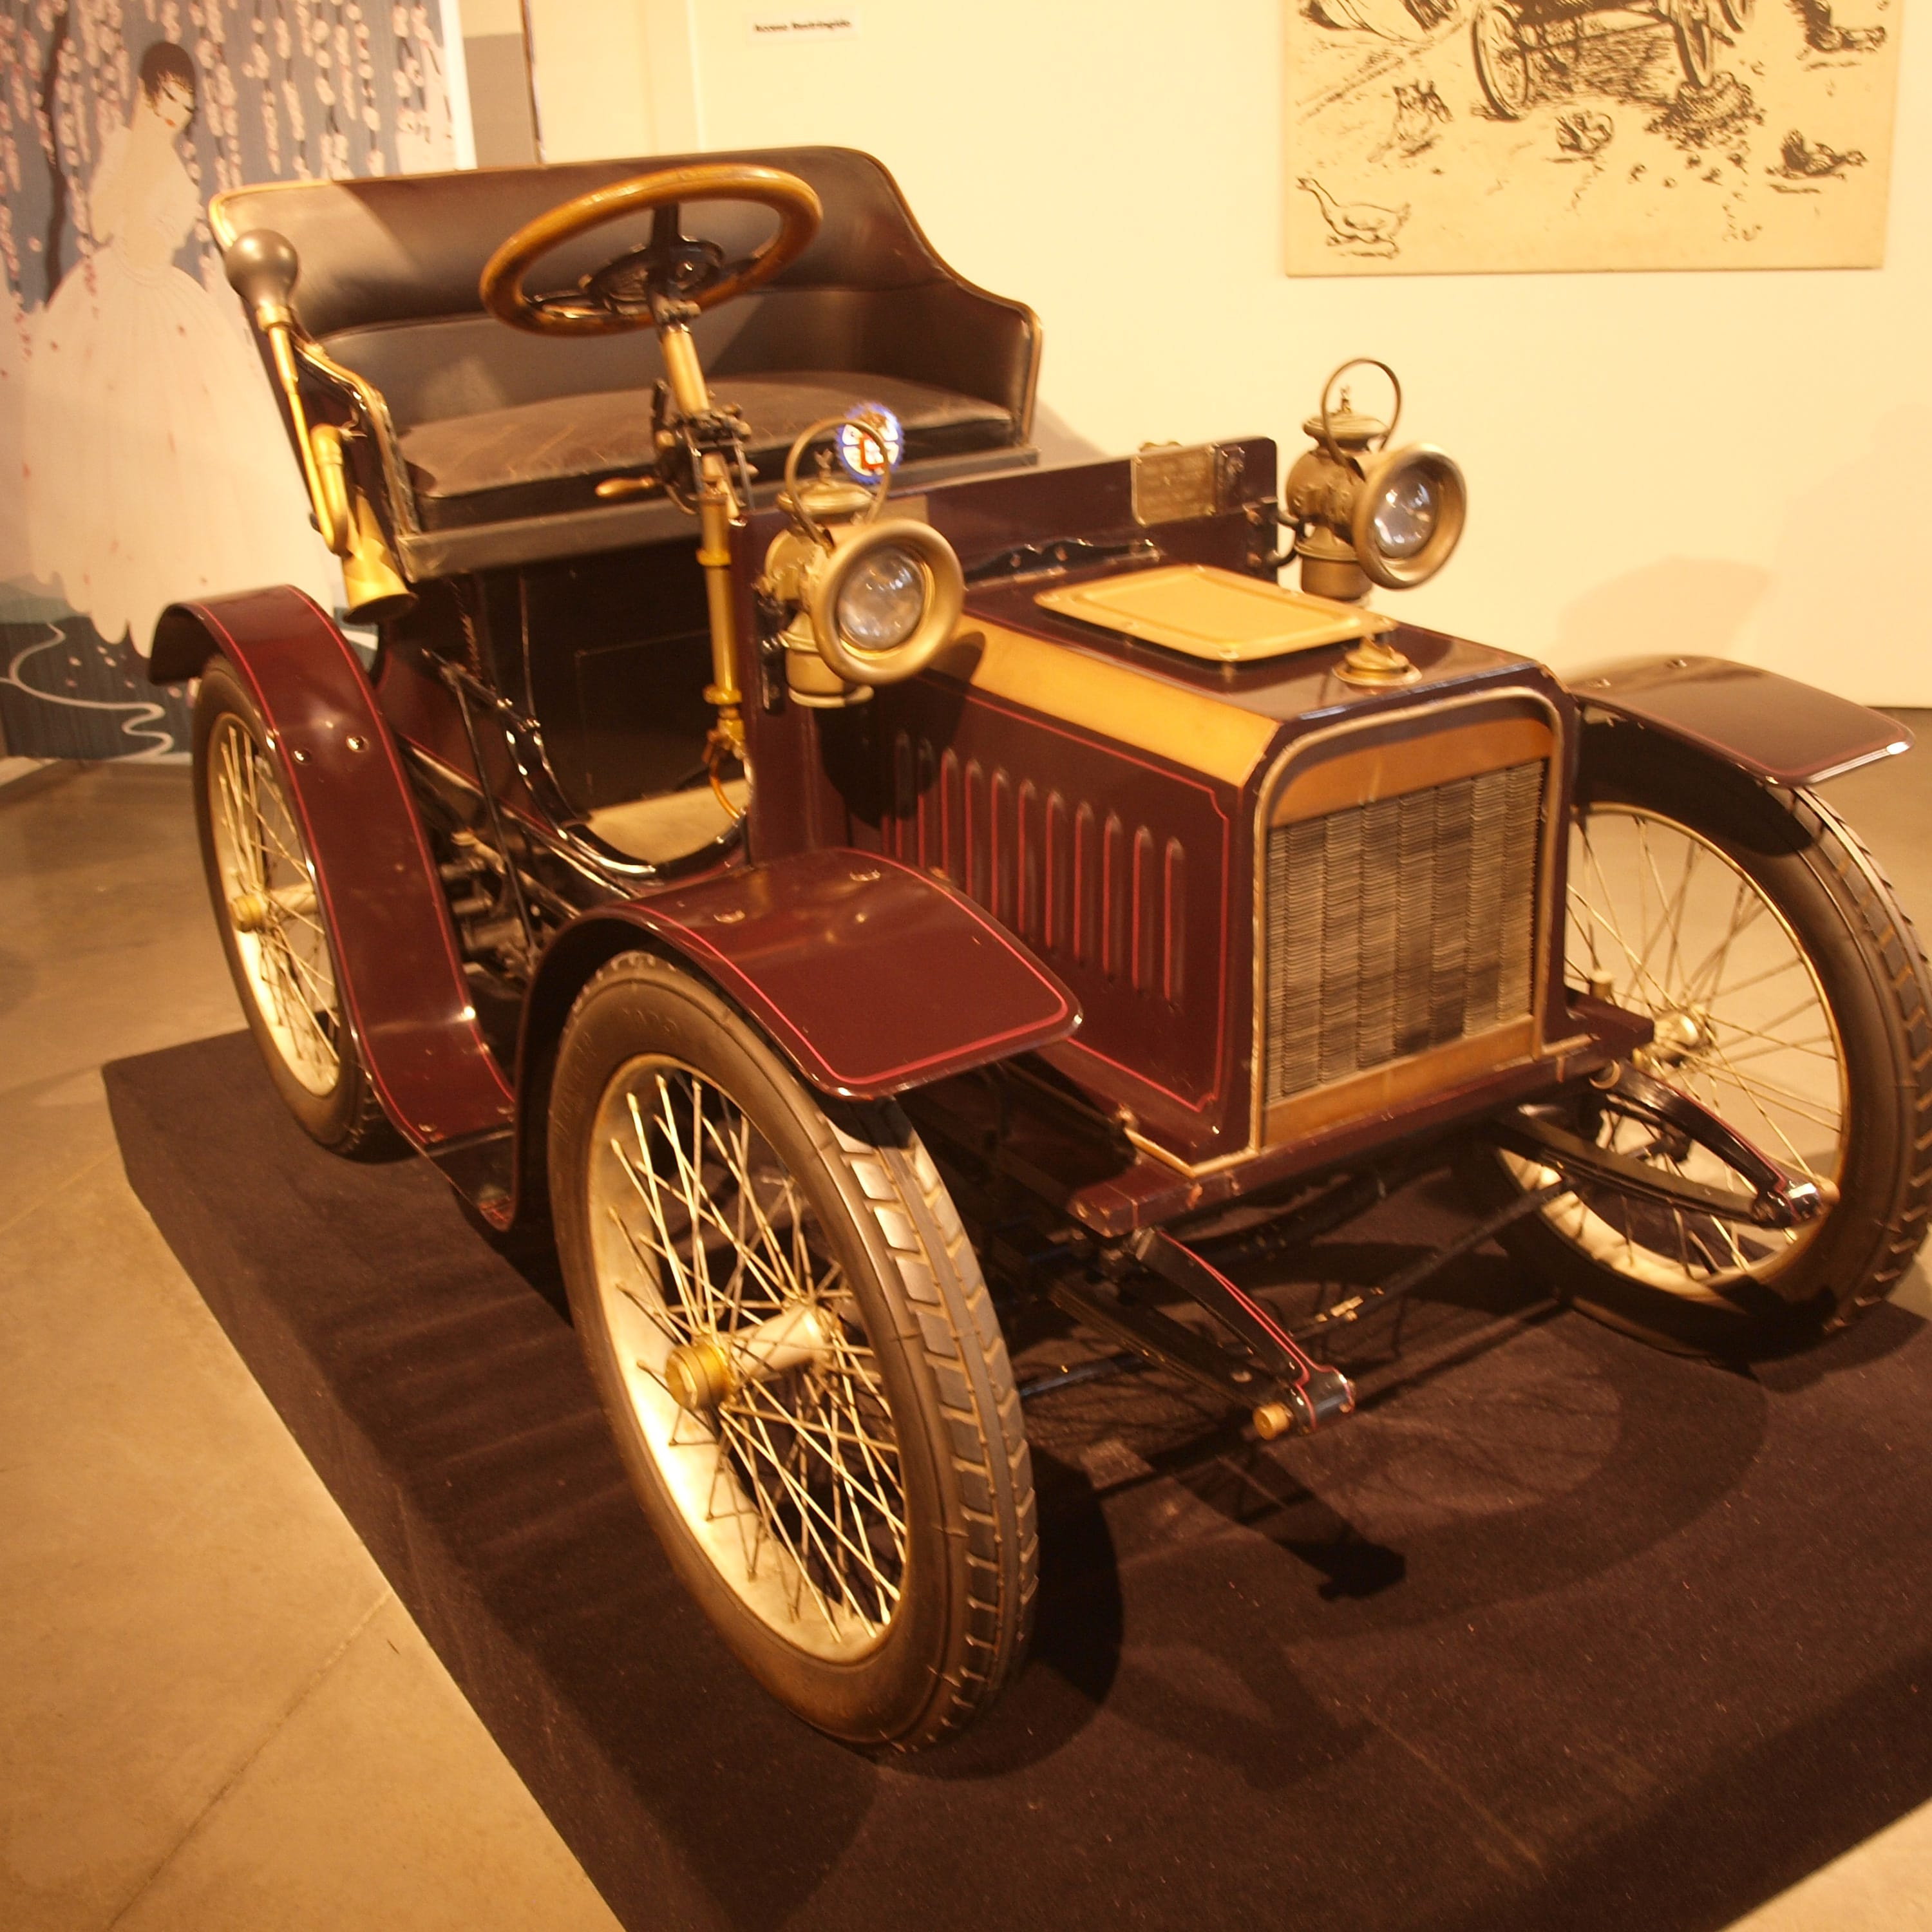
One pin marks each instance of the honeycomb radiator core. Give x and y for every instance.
(1399, 925)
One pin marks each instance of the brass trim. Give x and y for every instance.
(375, 409)
(1410, 764)
(332, 497)
(1155, 1151)
(1193, 729)
(1398, 1081)
(1218, 615)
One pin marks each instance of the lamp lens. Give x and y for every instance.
(882, 600)
(1406, 515)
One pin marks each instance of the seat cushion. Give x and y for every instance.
(538, 458)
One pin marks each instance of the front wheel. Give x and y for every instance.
(1789, 997)
(796, 1350)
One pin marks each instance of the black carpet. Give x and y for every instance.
(1558, 1632)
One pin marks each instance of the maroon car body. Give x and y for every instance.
(1130, 934)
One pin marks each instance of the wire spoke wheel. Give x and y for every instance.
(269, 896)
(799, 1359)
(1501, 58)
(1787, 994)
(1664, 923)
(718, 1284)
(274, 928)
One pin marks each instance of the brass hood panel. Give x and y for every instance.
(1191, 729)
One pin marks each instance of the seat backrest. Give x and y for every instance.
(391, 265)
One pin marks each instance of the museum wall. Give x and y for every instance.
(1727, 463)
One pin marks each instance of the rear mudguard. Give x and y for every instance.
(1773, 726)
(404, 997)
(869, 976)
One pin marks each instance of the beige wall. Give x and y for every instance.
(1734, 464)
(613, 76)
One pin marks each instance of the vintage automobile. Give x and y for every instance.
(1520, 44)
(963, 863)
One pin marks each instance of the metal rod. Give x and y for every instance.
(456, 680)
(1406, 1280)
(1099, 1369)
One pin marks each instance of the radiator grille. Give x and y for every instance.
(1399, 925)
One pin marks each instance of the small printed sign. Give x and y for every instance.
(797, 24)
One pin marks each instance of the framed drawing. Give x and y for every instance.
(1461, 136)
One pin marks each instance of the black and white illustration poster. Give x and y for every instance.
(142, 456)
(1458, 136)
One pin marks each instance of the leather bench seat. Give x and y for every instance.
(539, 458)
(494, 439)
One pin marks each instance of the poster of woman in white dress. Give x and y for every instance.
(142, 452)
(156, 466)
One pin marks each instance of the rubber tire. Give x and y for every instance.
(1872, 969)
(348, 1119)
(972, 1559)
(1509, 102)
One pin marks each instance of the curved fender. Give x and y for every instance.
(1787, 732)
(869, 976)
(403, 994)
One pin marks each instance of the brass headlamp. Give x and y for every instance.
(872, 600)
(1362, 513)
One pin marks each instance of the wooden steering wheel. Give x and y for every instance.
(669, 267)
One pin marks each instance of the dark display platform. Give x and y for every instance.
(1557, 1633)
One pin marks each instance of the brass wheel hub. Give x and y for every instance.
(1679, 1037)
(698, 1375)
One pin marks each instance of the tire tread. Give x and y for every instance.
(959, 1333)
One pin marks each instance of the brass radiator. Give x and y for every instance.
(1398, 926)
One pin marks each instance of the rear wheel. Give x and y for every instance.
(1789, 997)
(273, 927)
(1502, 60)
(794, 1346)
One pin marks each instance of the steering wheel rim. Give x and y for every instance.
(793, 201)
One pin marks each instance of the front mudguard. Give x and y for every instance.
(869, 976)
(1773, 726)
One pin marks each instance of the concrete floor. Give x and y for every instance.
(214, 1713)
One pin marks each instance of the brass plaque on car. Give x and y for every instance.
(1171, 483)
(1217, 614)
